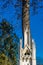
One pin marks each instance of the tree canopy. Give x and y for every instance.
(8, 43)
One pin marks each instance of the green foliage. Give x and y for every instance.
(8, 43)
(5, 27)
(4, 60)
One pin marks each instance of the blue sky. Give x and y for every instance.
(37, 33)
(36, 23)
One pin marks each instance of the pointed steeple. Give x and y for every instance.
(28, 52)
(25, 21)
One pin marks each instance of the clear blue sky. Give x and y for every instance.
(36, 24)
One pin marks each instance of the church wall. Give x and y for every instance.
(24, 62)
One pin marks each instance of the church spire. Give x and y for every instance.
(25, 20)
(28, 53)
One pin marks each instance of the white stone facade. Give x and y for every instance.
(28, 55)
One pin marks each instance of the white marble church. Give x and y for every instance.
(28, 52)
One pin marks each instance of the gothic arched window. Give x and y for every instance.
(23, 59)
(27, 64)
